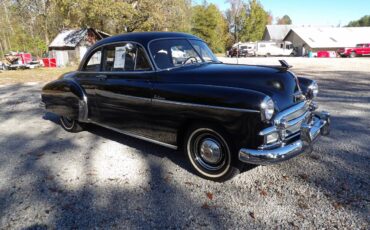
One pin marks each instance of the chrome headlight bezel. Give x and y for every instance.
(313, 90)
(267, 109)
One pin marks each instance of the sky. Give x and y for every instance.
(312, 12)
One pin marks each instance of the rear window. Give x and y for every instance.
(93, 64)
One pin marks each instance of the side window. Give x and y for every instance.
(93, 64)
(125, 57)
(142, 62)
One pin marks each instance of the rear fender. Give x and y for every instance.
(65, 97)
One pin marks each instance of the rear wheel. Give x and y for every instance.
(210, 153)
(70, 125)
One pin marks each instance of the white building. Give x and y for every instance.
(307, 39)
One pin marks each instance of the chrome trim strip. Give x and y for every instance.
(136, 136)
(289, 111)
(80, 68)
(205, 106)
(121, 96)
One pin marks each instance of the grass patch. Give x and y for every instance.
(33, 75)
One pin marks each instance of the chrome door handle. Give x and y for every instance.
(102, 77)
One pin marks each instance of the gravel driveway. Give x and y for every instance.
(98, 178)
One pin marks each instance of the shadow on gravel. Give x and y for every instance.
(347, 183)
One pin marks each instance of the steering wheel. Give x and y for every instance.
(190, 58)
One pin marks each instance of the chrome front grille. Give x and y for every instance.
(291, 120)
(287, 124)
(292, 112)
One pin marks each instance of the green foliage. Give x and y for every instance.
(209, 24)
(254, 21)
(364, 21)
(285, 20)
(30, 25)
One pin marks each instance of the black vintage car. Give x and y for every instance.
(169, 88)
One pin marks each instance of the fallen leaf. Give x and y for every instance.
(209, 195)
(205, 206)
(50, 177)
(263, 192)
(251, 214)
(167, 178)
(302, 204)
(337, 205)
(285, 177)
(188, 183)
(314, 157)
(303, 176)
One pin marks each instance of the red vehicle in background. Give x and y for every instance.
(359, 50)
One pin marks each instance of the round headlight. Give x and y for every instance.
(267, 109)
(314, 89)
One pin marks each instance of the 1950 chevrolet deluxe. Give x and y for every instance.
(169, 88)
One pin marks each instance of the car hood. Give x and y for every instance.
(281, 85)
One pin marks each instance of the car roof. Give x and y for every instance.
(144, 37)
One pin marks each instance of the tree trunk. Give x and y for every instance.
(2, 50)
(7, 17)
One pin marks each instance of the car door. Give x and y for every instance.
(88, 78)
(124, 92)
(367, 49)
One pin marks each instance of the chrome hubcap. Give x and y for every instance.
(210, 151)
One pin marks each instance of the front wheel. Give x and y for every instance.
(210, 153)
(352, 55)
(70, 125)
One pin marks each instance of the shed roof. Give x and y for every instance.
(278, 32)
(72, 37)
(332, 37)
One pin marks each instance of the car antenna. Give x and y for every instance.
(285, 64)
(237, 55)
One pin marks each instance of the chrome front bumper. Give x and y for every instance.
(309, 133)
(42, 105)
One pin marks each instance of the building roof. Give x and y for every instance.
(277, 32)
(332, 37)
(72, 37)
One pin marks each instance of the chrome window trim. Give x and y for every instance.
(206, 106)
(80, 69)
(136, 136)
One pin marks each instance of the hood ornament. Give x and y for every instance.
(285, 65)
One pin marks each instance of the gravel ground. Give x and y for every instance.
(98, 178)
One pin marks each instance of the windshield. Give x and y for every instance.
(169, 53)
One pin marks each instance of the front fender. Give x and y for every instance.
(65, 97)
(304, 83)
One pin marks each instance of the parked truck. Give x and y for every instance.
(359, 50)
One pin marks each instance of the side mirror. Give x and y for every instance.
(129, 47)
